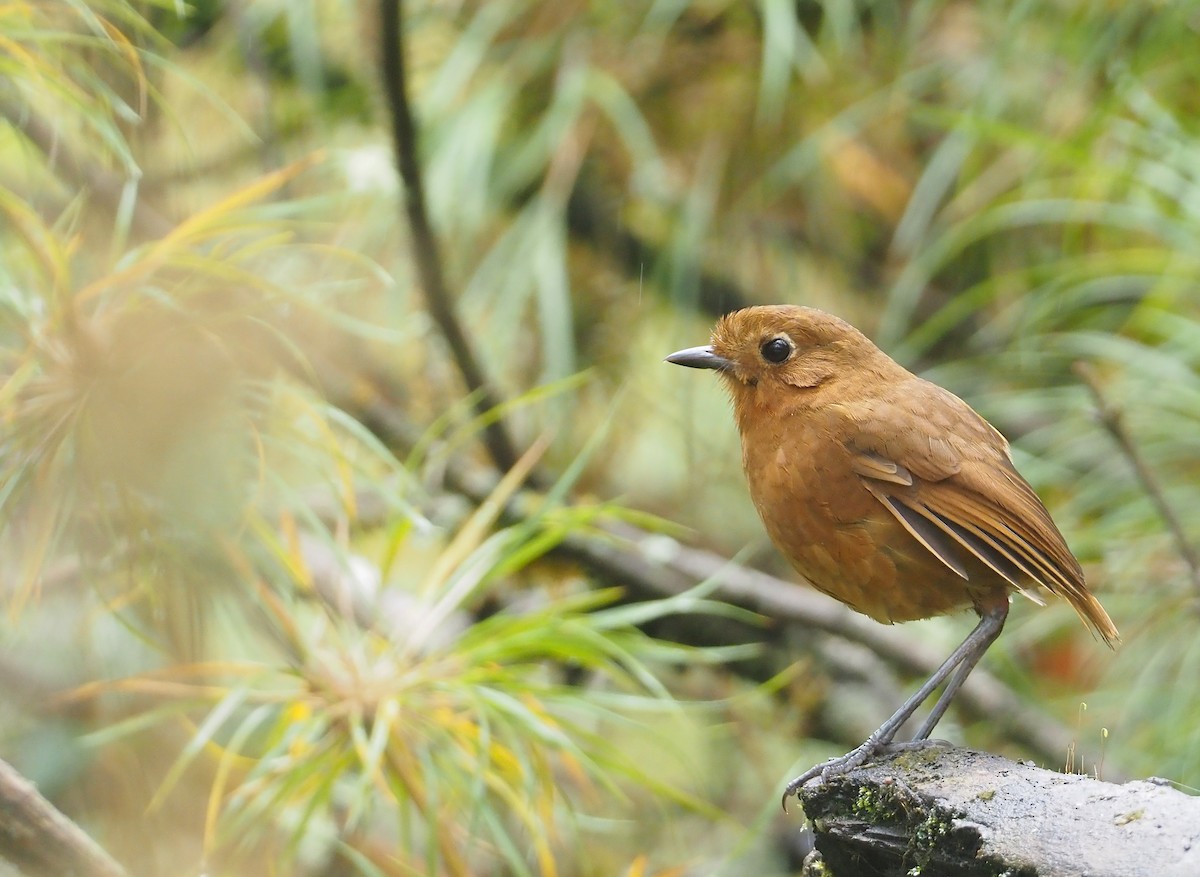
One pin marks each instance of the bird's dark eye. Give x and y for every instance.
(776, 350)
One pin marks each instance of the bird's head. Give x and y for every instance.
(781, 346)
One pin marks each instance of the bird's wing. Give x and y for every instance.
(948, 480)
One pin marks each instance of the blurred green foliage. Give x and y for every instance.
(248, 626)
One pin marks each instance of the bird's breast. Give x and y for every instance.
(834, 532)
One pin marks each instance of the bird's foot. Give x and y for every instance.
(826, 770)
(853, 759)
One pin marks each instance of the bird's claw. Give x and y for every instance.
(826, 770)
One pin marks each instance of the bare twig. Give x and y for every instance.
(425, 248)
(40, 840)
(1111, 419)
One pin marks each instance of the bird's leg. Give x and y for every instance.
(983, 635)
(963, 658)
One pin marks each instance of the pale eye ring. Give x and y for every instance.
(776, 350)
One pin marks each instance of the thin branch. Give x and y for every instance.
(1112, 420)
(40, 840)
(424, 244)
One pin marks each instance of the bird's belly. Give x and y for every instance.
(875, 570)
(846, 544)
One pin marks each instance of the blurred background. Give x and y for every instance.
(288, 591)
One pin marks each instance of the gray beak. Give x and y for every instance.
(700, 357)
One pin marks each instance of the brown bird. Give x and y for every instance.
(884, 491)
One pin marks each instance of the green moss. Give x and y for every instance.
(926, 835)
(925, 828)
(875, 806)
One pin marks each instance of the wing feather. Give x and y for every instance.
(871, 465)
(921, 528)
(983, 507)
